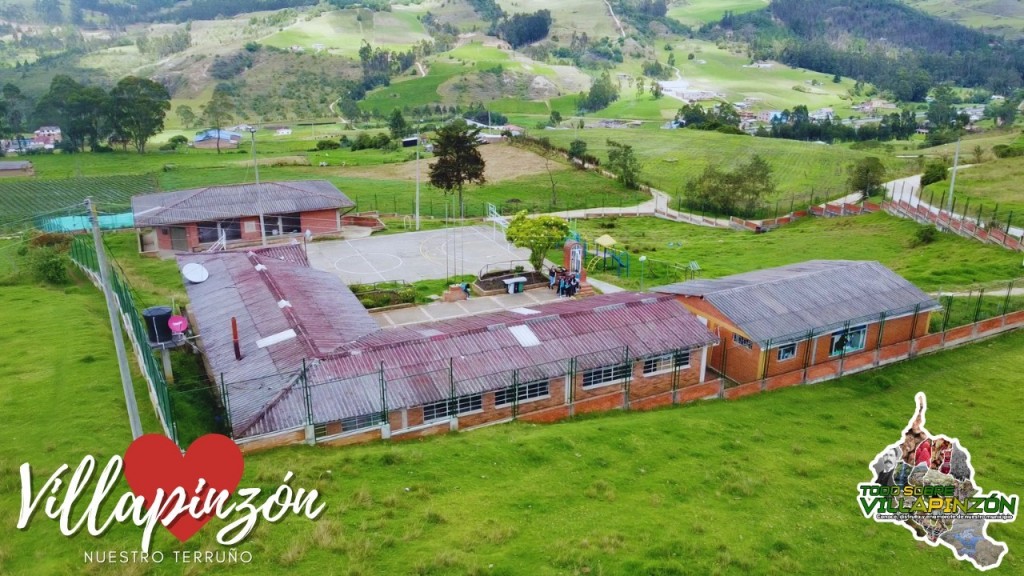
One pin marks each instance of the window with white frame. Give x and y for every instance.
(742, 341)
(786, 351)
(666, 362)
(847, 341)
(446, 408)
(606, 374)
(361, 421)
(527, 391)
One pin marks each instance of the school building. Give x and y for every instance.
(798, 322)
(310, 365)
(230, 215)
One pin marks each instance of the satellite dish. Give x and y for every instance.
(195, 273)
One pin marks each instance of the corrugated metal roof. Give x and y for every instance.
(15, 165)
(236, 200)
(817, 296)
(482, 351)
(291, 252)
(321, 310)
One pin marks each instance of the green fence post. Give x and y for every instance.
(945, 314)
(305, 388)
(1006, 301)
(515, 394)
(977, 307)
(383, 395)
(224, 403)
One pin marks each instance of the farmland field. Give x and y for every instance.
(22, 200)
(343, 31)
(997, 182)
(759, 485)
(997, 16)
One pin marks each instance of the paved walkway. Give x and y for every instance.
(475, 305)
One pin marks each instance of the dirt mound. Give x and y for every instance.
(504, 162)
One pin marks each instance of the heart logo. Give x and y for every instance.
(154, 462)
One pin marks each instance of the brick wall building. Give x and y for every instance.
(791, 318)
(318, 369)
(190, 220)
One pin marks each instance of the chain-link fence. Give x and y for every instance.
(83, 254)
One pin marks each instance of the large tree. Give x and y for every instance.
(397, 125)
(218, 111)
(624, 163)
(737, 192)
(137, 109)
(186, 115)
(539, 235)
(78, 110)
(866, 176)
(458, 160)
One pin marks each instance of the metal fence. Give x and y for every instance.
(83, 254)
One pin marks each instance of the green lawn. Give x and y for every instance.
(948, 262)
(997, 181)
(996, 16)
(760, 485)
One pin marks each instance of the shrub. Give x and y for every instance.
(925, 235)
(328, 145)
(50, 265)
(59, 242)
(933, 172)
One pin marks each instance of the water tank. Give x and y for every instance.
(156, 319)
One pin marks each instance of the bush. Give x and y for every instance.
(50, 265)
(59, 242)
(925, 235)
(328, 145)
(933, 172)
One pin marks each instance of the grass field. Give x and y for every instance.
(998, 16)
(342, 32)
(948, 262)
(671, 157)
(761, 485)
(697, 12)
(994, 182)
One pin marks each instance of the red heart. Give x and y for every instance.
(153, 462)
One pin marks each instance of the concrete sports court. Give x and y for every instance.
(415, 256)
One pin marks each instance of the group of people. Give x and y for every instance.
(565, 282)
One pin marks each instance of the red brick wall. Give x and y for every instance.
(441, 428)
(163, 238)
(705, 390)
(320, 221)
(784, 380)
(744, 390)
(284, 439)
(358, 438)
(741, 363)
(251, 228)
(777, 367)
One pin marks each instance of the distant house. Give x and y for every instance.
(822, 114)
(284, 132)
(792, 318)
(768, 115)
(190, 220)
(46, 137)
(16, 168)
(208, 139)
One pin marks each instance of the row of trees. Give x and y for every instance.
(130, 113)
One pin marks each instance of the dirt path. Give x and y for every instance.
(618, 24)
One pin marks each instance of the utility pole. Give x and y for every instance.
(417, 176)
(259, 202)
(952, 179)
(115, 323)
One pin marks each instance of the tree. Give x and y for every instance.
(458, 160)
(186, 115)
(736, 192)
(538, 235)
(397, 125)
(866, 176)
(624, 163)
(217, 112)
(656, 90)
(555, 118)
(78, 110)
(137, 108)
(577, 149)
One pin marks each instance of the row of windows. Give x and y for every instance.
(446, 408)
(665, 362)
(527, 391)
(349, 424)
(842, 342)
